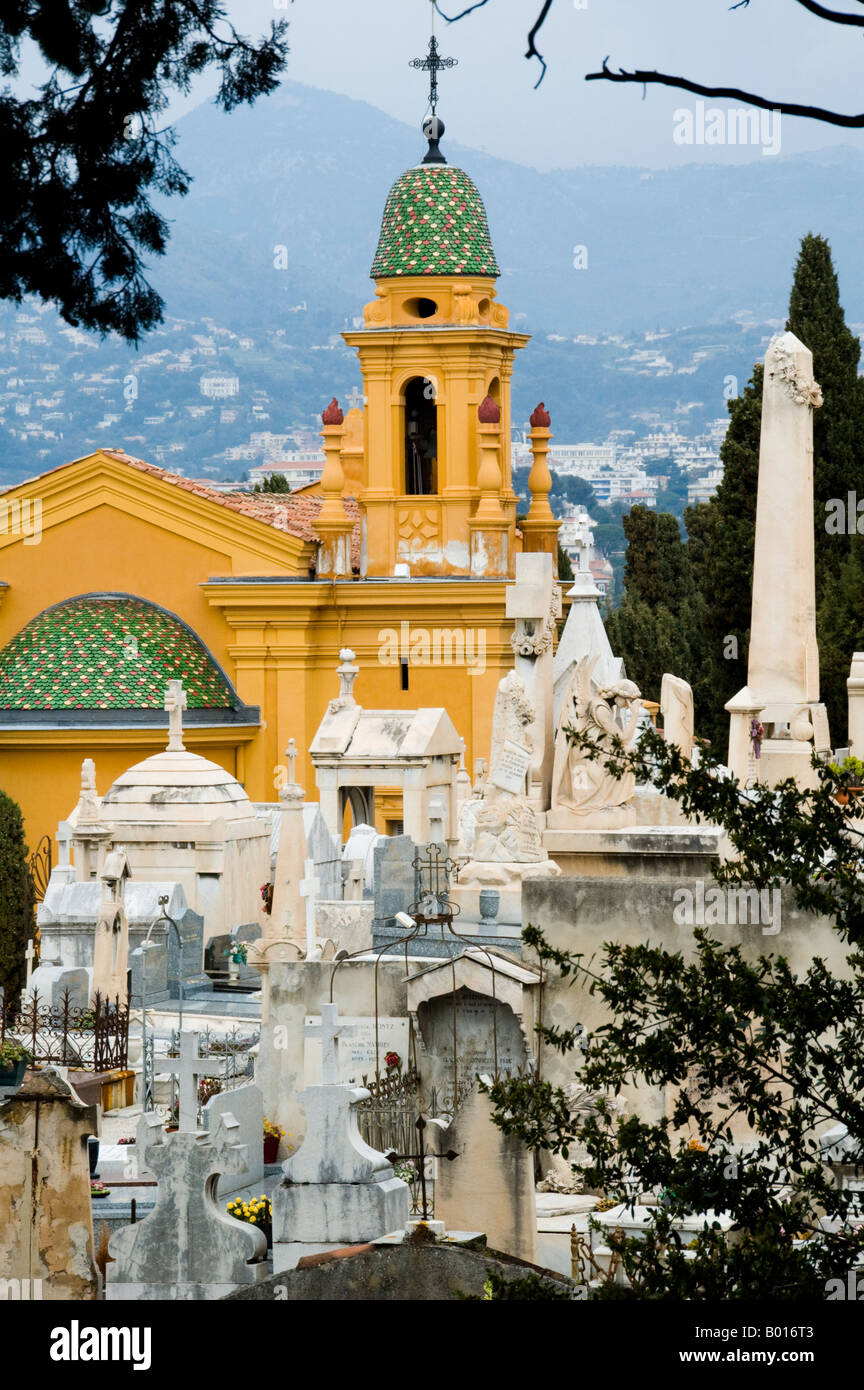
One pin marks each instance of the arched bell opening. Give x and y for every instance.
(421, 438)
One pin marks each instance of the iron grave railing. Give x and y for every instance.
(87, 1038)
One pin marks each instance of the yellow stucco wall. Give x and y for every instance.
(107, 527)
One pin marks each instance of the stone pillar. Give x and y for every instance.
(111, 938)
(744, 710)
(287, 913)
(489, 526)
(783, 660)
(332, 523)
(855, 690)
(540, 529)
(415, 820)
(490, 1185)
(46, 1221)
(534, 601)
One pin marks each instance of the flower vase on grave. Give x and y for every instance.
(233, 970)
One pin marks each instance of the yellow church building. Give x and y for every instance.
(402, 553)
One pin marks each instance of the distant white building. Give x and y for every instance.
(219, 386)
(703, 489)
(582, 459)
(299, 467)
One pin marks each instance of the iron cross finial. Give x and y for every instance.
(433, 63)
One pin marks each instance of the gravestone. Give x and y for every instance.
(394, 885)
(323, 850)
(46, 1221)
(51, 982)
(246, 1104)
(69, 912)
(188, 1247)
(357, 1048)
(486, 1029)
(337, 1189)
(490, 1187)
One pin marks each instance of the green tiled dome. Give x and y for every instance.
(434, 224)
(107, 653)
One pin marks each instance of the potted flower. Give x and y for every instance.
(850, 775)
(208, 1087)
(236, 954)
(258, 1212)
(273, 1135)
(14, 1058)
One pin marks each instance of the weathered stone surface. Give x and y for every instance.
(337, 1189)
(46, 1223)
(246, 1104)
(296, 989)
(188, 1247)
(783, 657)
(400, 1273)
(490, 1186)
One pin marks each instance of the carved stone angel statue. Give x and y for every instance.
(580, 783)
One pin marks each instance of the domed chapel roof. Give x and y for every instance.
(107, 651)
(434, 224)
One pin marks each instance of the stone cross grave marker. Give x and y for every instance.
(310, 886)
(175, 703)
(29, 955)
(191, 1067)
(329, 1030)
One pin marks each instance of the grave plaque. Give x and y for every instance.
(475, 1036)
(357, 1049)
(511, 767)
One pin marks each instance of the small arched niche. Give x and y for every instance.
(420, 307)
(421, 437)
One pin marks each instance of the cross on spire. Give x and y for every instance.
(433, 63)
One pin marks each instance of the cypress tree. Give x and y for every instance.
(720, 550)
(17, 917)
(816, 317)
(654, 628)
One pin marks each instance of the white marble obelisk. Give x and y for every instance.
(783, 661)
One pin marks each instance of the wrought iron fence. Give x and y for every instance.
(39, 865)
(92, 1038)
(387, 1118)
(238, 1067)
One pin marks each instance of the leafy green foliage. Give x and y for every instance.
(528, 1288)
(82, 161)
(735, 1041)
(17, 917)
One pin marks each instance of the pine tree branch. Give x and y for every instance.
(787, 108)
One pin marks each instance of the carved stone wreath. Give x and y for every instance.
(538, 640)
(804, 390)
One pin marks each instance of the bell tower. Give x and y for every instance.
(437, 356)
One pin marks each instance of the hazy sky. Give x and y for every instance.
(361, 48)
(776, 48)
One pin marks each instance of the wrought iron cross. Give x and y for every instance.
(433, 64)
(420, 1159)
